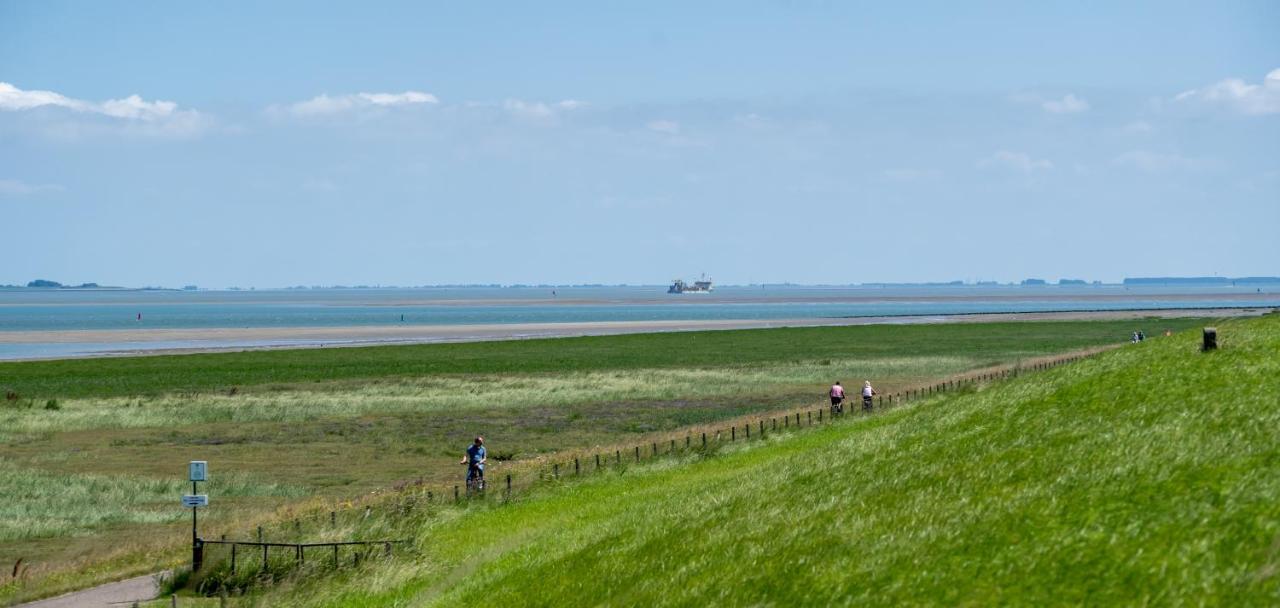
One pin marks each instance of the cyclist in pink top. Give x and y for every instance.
(837, 397)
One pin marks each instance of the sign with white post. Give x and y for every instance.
(198, 470)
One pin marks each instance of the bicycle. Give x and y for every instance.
(475, 478)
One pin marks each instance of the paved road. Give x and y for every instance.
(114, 595)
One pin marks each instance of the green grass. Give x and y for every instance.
(1149, 475)
(455, 394)
(40, 505)
(340, 423)
(137, 376)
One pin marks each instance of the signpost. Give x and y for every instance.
(197, 472)
(199, 500)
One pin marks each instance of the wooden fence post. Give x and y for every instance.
(597, 462)
(704, 440)
(747, 426)
(618, 454)
(233, 558)
(455, 493)
(335, 557)
(555, 470)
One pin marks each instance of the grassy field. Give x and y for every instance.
(140, 376)
(336, 424)
(1146, 475)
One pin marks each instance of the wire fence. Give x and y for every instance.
(242, 562)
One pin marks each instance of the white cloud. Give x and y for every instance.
(131, 115)
(664, 126)
(14, 99)
(1018, 161)
(13, 187)
(397, 99)
(161, 115)
(1067, 105)
(1238, 95)
(1155, 162)
(538, 109)
(324, 104)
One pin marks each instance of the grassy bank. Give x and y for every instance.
(348, 426)
(1148, 475)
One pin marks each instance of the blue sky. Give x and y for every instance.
(279, 143)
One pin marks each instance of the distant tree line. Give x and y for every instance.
(54, 284)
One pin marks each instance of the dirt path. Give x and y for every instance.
(119, 593)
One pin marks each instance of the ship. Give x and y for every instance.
(700, 286)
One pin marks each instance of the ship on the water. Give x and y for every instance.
(700, 286)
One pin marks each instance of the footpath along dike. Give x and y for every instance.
(120, 593)
(263, 560)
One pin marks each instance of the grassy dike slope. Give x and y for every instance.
(1150, 474)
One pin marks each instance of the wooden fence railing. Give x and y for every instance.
(409, 497)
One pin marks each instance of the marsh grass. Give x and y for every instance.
(40, 505)
(1147, 475)
(434, 394)
(225, 372)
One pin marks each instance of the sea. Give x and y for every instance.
(33, 313)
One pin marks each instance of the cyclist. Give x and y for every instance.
(867, 394)
(837, 396)
(474, 459)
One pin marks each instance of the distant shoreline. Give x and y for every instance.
(275, 338)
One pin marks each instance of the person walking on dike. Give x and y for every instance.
(474, 459)
(837, 398)
(867, 394)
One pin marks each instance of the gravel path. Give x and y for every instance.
(115, 595)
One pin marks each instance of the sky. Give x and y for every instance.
(411, 143)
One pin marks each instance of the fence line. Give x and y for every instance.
(409, 498)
